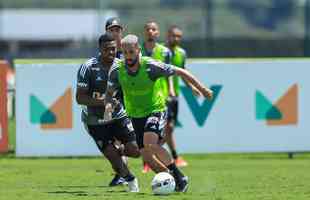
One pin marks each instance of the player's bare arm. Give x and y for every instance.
(108, 101)
(171, 88)
(195, 91)
(186, 75)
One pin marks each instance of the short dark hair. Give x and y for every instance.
(151, 21)
(172, 27)
(107, 37)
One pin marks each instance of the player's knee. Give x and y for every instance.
(146, 154)
(109, 151)
(132, 150)
(169, 128)
(145, 150)
(107, 148)
(150, 138)
(146, 147)
(149, 146)
(135, 154)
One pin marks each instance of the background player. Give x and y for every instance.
(151, 48)
(91, 88)
(115, 28)
(178, 58)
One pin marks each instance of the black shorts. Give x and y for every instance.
(106, 134)
(155, 122)
(173, 109)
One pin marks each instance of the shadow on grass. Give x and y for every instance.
(85, 193)
(104, 187)
(80, 186)
(74, 193)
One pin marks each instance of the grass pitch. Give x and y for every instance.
(212, 177)
(216, 177)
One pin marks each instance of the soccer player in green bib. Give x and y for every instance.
(178, 58)
(151, 48)
(145, 103)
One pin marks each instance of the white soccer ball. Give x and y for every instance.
(163, 184)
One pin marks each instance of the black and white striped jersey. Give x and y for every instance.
(93, 76)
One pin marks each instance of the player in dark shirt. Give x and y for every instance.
(91, 87)
(115, 28)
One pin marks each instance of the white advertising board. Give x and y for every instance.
(258, 106)
(47, 115)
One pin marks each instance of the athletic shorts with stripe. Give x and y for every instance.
(155, 122)
(120, 129)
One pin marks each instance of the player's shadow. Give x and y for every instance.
(74, 193)
(78, 190)
(66, 190)
(81, 186)
(125, 193)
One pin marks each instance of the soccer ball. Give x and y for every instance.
(163, 184)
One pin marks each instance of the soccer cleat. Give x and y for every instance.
(117, 180)
(133, 185)
(146, 168)
(182, 185)
(180, 162)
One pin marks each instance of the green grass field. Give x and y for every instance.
(217, 177)
(212, 176)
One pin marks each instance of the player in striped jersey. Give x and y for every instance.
(91, 87)
(115, 28)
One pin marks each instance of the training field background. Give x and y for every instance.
(238, 30)
(212, 176)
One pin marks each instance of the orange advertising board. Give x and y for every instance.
(3, 107)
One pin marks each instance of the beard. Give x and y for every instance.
(132, 62)
(151, 39)
(173, 43)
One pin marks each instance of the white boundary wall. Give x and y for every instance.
(230, 126)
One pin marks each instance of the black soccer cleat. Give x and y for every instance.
(182, 184)
(117, 180)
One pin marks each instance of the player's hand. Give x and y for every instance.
(196, 92)
(115, 101)
(207, 93)
(172, 93)
(108, 112)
